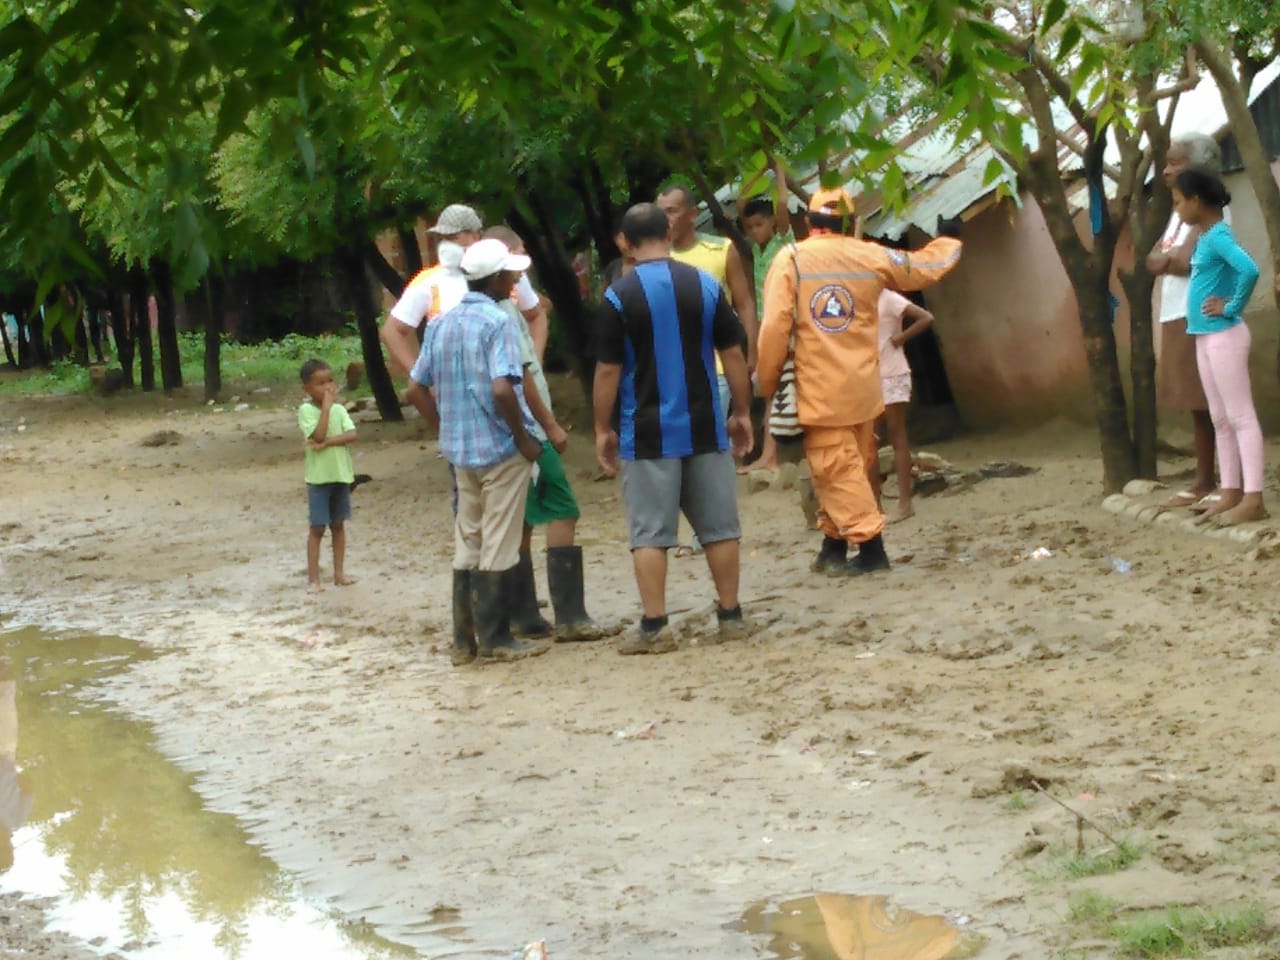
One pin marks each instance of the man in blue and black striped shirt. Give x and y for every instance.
(657, 334)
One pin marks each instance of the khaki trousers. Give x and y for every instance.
(490, 517)
(838, 458)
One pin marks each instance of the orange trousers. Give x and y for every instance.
(838, 459)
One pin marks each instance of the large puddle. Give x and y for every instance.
(836, 926)
(94, 819)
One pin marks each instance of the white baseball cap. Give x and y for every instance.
(484, 258)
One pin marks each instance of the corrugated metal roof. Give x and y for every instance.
(944, 195)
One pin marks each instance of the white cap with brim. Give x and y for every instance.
(457, 218)
(484, 258)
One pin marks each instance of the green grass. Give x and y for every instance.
(272, 361)
(269, 362)
(1172, 932)
(1101, 862)
(1016, 801)
(1090, 907)
(1183, 932)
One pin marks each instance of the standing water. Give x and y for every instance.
(113, 838)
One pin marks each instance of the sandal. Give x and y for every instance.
(1205, 502)
(1184, 498)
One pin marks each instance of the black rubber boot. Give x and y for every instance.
(464, 621)
(870, 559)
(564, 581)
(526, 620)
(491, 603)
(831, 556)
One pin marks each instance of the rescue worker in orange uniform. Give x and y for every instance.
(822, 294)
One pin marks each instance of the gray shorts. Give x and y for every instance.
(328, 503)
(704, 488)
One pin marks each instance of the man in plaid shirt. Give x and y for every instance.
(467, 380)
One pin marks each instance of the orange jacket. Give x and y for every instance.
(825, 290)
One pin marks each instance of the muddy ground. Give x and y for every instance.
(874, 737)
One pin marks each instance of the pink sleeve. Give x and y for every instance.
(892, 306)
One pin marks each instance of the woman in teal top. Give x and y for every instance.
(1223, 276)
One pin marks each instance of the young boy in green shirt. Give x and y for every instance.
(328, 431)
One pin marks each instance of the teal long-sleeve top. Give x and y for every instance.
(1220, 267)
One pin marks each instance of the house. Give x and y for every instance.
(1009, 348)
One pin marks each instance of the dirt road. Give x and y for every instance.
(874, 737)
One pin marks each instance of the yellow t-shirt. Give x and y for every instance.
(711, 254)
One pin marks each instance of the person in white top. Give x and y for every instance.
(441, 287)
(1178, 381)
(900, 321)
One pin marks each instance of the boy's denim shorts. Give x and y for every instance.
(328, 503)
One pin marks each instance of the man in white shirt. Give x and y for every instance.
(1178, 381)
(441, 287)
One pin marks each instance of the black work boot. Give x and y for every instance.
(564, 582)
(831, 556)
(491, 598)
(871, 558)
(526, 619)
(464, 621)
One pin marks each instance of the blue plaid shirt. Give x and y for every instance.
(463, 352)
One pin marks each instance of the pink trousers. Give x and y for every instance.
(1223, 361)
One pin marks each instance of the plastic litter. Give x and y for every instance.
(532, 951)
(1120, 565)
(1040, 553)
(641, 731)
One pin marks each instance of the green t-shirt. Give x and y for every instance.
(332, 464)
(762, 260)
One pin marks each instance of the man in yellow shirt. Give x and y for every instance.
(824, 291)
(720, 258)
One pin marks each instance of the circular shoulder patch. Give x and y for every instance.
(831, 308)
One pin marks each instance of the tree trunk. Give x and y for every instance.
(1257, 164)
(384, 272)
(141, 324)
(555, 270)
(95, 331)
(359, 294)
(8, 347)
(1142, 365)
(121, 328)
(167, 326)
(410, 251)
(24, 340)
(82, 336)
(37, 350)
(1092, 281)
(213, 292)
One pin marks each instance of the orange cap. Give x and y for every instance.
(834, 202)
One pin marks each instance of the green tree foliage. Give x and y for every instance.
(313, 125)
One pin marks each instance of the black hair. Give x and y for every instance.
(1203, 184)
(672, 186)
(758, 207)
(837, 222)
(644, 221)
(484, 283)
(311, 368)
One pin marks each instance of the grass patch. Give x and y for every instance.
(1091, 908)
(1183, 932)
(1016, 801)
(271, 361)
(243, 364)
(1102, 862)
